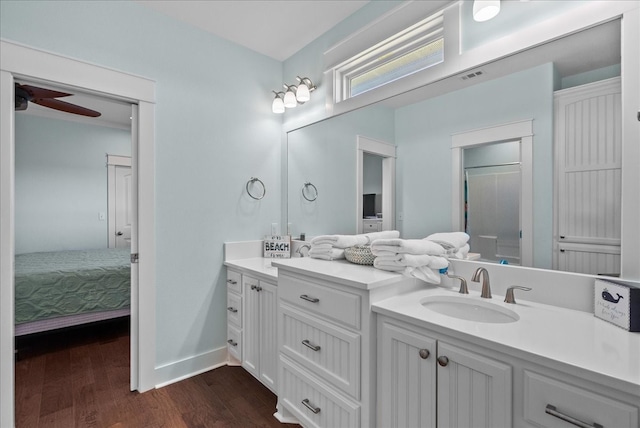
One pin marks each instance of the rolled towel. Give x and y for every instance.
(346, 241)
(332, 254)
(449, 240)
(407, 246)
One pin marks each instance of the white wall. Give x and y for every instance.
(214, 130)
(61, 182)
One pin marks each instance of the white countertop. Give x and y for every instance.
(256, 266)
(340, 271)
(577, 340)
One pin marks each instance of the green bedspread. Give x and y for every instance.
(61, 283)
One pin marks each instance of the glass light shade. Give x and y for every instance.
(303, 94)
(278, 105)
(484, 10)
(290, 99)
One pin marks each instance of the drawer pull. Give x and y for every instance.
(306, 403)
(551, 410)
(232, 282)
(232, 342)
(310, 346)
(232, 309)
(309, 299)
(443, 361)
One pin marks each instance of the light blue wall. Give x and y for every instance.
(61, 182)
(214, 130)
(325, 154)
(423, 135)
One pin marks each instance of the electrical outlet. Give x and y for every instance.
(274, 228)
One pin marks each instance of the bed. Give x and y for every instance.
(65, 288)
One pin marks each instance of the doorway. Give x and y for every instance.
(387, 152)
(18, 61)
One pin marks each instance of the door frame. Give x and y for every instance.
(28, 63)
(522, 131)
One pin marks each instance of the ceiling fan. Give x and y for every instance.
(47, 98)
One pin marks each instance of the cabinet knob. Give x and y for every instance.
(253, 287)
(424, 354)
(443, 361)
(258, 288)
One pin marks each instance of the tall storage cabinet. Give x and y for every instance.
(588, 167)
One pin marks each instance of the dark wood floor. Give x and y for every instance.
(80, 378)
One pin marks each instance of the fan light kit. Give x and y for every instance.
(293, 95)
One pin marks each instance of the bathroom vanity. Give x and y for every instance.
(352, 346)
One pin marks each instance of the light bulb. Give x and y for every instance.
(278, 105)
(290, 99)
(484, 10)
(302, 94)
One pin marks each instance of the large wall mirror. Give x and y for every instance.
(421, 124)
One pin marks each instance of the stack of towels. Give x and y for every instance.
(420, 258)
(331, 247)
(455, 244)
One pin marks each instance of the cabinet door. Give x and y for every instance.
(268, 338)
(251, 323)
(473, 391)
(406, 377)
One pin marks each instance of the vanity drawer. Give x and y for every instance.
(234, 342)
(327, 302)
(314, 404)
(542, 392)
(330, 352)
(234, 309)
(234, 281)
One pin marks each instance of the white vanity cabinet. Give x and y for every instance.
(418, 374)
(326, 341)
(259, 351)
(234, 317)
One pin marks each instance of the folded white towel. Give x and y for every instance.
(449, 240)
(459, 254)
(388, 265)
(423, 260)
(333, 254)
(424, 273)
(407, 246)
(346, 241)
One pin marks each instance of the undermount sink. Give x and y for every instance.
(470, 309)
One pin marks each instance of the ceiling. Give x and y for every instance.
(275, 28)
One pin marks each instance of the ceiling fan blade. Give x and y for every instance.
(66, 107)
(38, 93)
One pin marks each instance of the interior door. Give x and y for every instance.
(122, 209)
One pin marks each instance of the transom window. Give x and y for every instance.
(414, 49)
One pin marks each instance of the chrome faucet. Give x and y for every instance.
(463, 283)
(486, 288)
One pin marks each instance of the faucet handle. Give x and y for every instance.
(463, 283)
(509, 297)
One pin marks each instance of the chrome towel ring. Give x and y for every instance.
(304, 188)
(251, 181)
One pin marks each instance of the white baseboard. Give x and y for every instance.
(192, 366)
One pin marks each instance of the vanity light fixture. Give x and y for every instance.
(278, 103)
(484, 10)
(293, 95)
